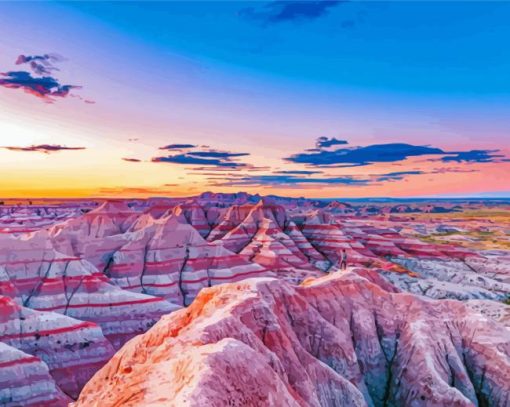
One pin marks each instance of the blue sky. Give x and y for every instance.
(266, 79)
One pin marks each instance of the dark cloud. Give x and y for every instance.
(40, 82)
(177, 146)
(45, 87)
(323, 156)
(360, 156)
(132, 160)
(43, 148)
(281, 11)
(474, 156)
(216, 154)
(324, 142)
(204, 157)
(298, 172)
(190, 160)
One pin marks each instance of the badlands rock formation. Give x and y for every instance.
(335, 341)
(89, 276)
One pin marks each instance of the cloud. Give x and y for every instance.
(45, 87)
(40, 64)
(298, 172)
(46, 59)
(215, 154)
(446, 170)
(217, 170)
(360, 156)
(40, 82)
(282, 11)
(190, 160)
(262, 180)
(474, 156)
(323, 156)
(132, 160)
(397, 176)
(177, 146)
(43, 148)
(206, 157)
(324, 142)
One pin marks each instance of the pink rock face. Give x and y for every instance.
(72, 350)
(169, 258)
(335, 341)
(25, 381)
(45, 280)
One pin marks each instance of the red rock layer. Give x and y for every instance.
(45, 280)
(169, 258)
(25, 381)
(73, 350)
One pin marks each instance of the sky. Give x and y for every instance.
(323, 99)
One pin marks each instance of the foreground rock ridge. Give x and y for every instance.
(334, 341)
(79, 279)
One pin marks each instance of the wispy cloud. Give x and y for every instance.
(131, 160)
(216, 154)
(397, 176)
(473, 156)
(42, 148)
(177, 146)
(40, 64)
(261, 180)
(298, 172)
(276, 12)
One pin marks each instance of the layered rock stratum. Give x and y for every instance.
(78, 280)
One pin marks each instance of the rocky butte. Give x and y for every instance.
(150, 302)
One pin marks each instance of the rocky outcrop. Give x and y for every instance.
(335, 341)
(449, 278)
(72, 350)
(169, 258)
(39, 277)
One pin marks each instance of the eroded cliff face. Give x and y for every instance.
(40, 344)
(87, 278)
(26, 381)
(339, 340)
